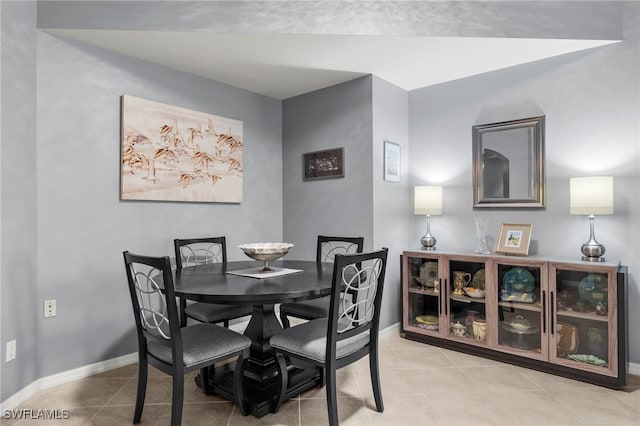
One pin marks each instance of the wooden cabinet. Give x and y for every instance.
(563, 317)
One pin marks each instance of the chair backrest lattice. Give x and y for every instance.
(153, 305)
(198, 251)
(360, 281)
(329, 247)
(362, 275)
(151, 285)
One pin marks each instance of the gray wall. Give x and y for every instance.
(20, 306)
(590, 100)
(358, 115)
(338, 116)
(391, 200)
(83, 227)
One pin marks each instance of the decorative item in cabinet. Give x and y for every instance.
(518, 284)
(598, 341)
(466, 301)
(591, 298)
(592, 291)
(585, 293)
(521, 333)
(428, 322)
(480, 329)
(522, 315)
(567, 338)
(460, 280)
(421, 299)
(428, 276)
(473, 292)
(458, 329)
(478, 280)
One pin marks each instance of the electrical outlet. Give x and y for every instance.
(50, 308)
(11, 351)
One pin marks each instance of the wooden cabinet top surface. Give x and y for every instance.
(556, 260)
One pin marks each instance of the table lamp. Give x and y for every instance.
(591, 196)
(428, 201)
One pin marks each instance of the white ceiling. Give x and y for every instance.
(286, 65)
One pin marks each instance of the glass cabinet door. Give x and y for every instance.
(583, 316)
(421, 295)
(465, 307)
(522, 319)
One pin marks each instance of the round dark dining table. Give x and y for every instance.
(211, 283)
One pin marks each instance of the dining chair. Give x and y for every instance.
(173, 349)
(326, 249)
(349, 333)
(198, 251)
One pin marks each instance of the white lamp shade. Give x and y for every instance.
(591, 195)
(428, 200)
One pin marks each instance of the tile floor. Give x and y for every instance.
(421, 385)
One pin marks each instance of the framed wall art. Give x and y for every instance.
(323, 164)
(391, 162)
(514, 239)
(171, 153)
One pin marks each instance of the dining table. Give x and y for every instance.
(290, 281)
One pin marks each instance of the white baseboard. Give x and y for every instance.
(65, 377)
(393, 328)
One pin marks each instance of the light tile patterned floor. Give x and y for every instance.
(422, 385)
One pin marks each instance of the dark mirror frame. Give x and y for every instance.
(480, 133)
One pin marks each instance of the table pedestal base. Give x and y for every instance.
(261, 381)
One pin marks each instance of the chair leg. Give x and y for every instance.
(284, 380)
(332, 398)
(375, 380)
(323, 377)
(238, 378)
(143, 369)
(183, 315)
(284, 320)
(177, 399)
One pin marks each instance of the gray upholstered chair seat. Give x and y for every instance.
(202, 342)
(309, 340)
(210, 312)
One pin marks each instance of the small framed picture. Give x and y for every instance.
(391, 162)
(514, 239)
(324, 164)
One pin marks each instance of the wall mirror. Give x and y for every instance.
(508, 164)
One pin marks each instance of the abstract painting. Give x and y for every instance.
(176, 154)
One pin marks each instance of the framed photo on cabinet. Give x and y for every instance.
(514, 239)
